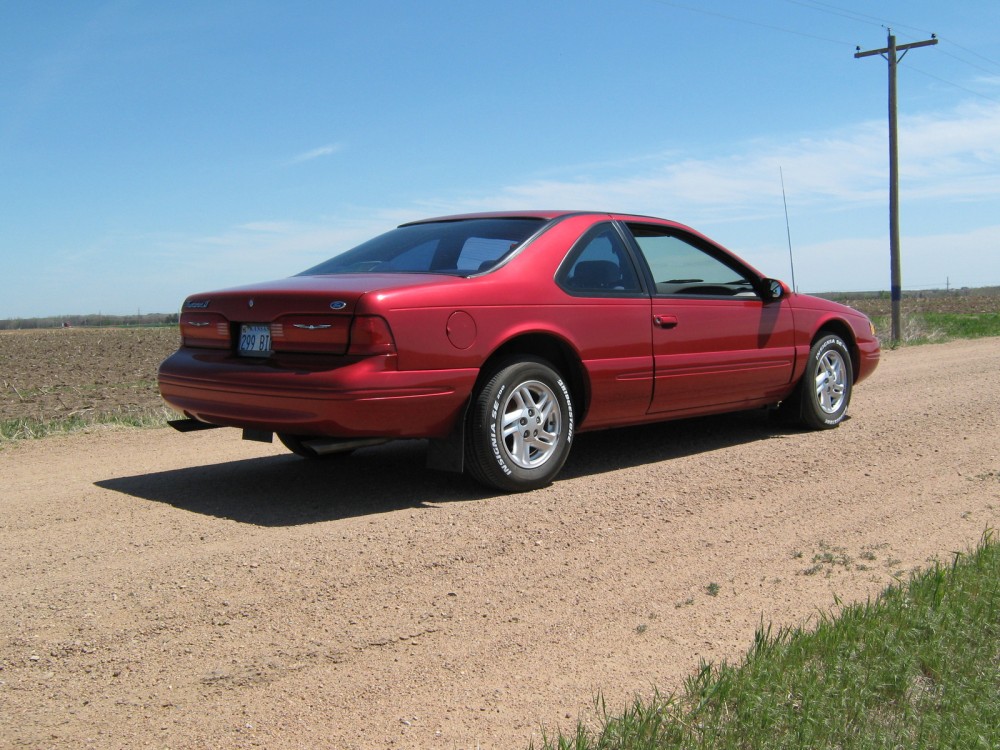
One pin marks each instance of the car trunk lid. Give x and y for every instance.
(302, 314)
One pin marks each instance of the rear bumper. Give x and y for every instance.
(364, 397)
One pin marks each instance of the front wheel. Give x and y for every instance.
(520, 426)
(825, 390)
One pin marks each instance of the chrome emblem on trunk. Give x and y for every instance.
(250, 303)
(338, 305)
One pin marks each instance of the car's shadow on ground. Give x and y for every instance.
(610, 450)
(289, 491)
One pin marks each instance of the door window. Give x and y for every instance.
(681, 267)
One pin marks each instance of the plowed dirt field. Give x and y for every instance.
(81, 372)
(195, 591)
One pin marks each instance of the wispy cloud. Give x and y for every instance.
(836, 184)
(993, 81)
(953, 155)
(316, 153)
(270, 227)
(837, 187)
(269, 249)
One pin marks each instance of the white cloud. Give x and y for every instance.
(837, 192)
(836, 185)
(987, 80)
(315, 153)
(954, 156)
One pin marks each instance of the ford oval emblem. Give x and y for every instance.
(338, 305)
(250, 303)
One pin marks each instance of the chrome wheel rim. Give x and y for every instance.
(831, 382)
(530, 424)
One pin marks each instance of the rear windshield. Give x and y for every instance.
(459, 248)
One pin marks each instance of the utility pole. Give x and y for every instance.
(889, 53)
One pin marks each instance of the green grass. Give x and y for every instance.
(918, 668)
(929, 327)
(26, 429)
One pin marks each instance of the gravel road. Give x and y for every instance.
(196, 591)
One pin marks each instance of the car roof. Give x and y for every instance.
(498, 215)
(540, 214)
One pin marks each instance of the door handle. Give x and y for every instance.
(665, 321)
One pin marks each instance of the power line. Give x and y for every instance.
(747, 21)
(852, 15)
(971, 52)
(952, 83)
(830, 9)
(970, 63)
(835, 11)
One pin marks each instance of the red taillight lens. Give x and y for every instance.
(204, 330)
(370, 335)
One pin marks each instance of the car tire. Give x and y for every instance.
(296, 444)
(824, 392)
(521, 424)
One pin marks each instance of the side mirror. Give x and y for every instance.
(772, 289)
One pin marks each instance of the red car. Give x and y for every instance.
(499, 336)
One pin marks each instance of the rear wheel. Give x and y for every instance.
(520, 426)
(825, 389)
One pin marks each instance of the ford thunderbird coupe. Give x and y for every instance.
(498, 337)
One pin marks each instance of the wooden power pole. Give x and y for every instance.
(890, 53)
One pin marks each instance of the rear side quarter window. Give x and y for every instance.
(599, 264)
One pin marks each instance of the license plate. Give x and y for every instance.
(255, 340)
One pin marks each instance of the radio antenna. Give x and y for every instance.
(788, 229)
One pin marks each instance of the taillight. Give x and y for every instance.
(370, 335)
(204, 330)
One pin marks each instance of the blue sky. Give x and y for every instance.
(152, 150)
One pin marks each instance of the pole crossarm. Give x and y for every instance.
(899, 47)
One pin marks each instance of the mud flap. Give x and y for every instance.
(448, 453)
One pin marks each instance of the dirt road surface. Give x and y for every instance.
(195, 591)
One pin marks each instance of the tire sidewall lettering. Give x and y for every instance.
(494, 440)
(569, 411)
(833, 342)
(496, 449)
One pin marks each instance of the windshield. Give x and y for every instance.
(459, 248)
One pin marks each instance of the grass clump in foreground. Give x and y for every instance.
(918, 668)
(937, 327)
(30, 428)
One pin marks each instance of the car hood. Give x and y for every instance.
(808, 302)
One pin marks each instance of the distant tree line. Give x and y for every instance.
(90, 321)
(983, 291)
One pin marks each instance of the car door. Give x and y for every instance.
(717, 344)
(609, 315)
